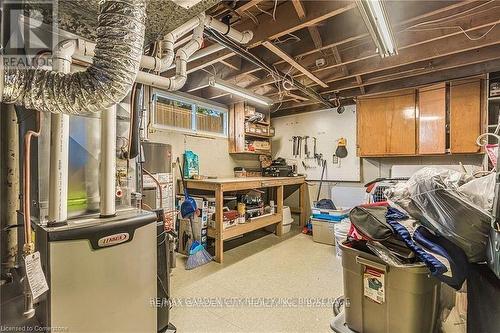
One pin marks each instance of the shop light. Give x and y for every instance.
(377, 23)
(242, 92)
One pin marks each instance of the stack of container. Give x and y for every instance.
(323, 223)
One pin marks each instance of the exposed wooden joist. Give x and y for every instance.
(409, 43)
(247, 5)
(268, 29)
(483, 55)
(360, 83)
(482, 64)
(276, 50)
(309, 56)
(233, 63)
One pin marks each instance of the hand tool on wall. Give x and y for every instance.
(341, 151)
(306, 148)
(294, 146)
(299, 139)
(315, 153)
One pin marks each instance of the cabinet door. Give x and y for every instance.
(465, 115)
(386, 124)
(432, 119)
(401, 123)
(371, 125)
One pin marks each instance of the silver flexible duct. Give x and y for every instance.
(120, 39)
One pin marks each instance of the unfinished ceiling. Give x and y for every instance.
(325, 45)
(80, 16)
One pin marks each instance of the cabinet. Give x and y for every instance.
(465, 115)
(248, 137)
(437, 119)
(432, 119)
(387, 124)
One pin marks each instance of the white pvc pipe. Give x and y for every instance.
(238, 36)
(59, 138)
(166, 61)
(107, 172)
(182, 55)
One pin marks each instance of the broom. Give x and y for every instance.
(197, 256)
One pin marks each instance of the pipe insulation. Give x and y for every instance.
(120, 39)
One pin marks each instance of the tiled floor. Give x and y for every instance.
(291, 270)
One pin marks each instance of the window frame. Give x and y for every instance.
(195, 103)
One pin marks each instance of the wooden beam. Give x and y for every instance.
(360, 83)
(409, 43)
(247, 5)
(276, 50)
(346, 35)
(403, 83)
(233, 63)
(460, 60)
(268, 29)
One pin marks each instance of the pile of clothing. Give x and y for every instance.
(439, 217)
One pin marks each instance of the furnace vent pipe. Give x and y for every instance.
(120, 41)
(181, 57)
(107, 172)
(59, 139)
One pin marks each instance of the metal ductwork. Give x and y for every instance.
(120, 39)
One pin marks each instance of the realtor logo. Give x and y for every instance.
(28, 32)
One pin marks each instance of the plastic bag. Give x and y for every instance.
(433, 198)
(481, 191)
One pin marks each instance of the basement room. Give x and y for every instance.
(281, 166)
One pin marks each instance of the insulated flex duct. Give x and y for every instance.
(120, 39)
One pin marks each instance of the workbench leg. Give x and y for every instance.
(219, 225)
(279, 199)
(303, 204)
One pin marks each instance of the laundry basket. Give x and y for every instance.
(386, 299)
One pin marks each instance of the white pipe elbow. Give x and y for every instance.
(65, 50)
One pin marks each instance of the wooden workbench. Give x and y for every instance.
(221, 185)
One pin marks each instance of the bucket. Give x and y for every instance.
(340, 230)
(287, 221)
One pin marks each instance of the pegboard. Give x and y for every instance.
(327, 126)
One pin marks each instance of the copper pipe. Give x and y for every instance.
(28, 247)
(158, 185)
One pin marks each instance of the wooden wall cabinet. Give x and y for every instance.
(387, 124)
(439, 119)
(465, 115)
(432, 119)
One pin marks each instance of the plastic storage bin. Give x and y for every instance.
(323, 231)
(386, 299)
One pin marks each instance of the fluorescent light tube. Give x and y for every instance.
(242, 92)
(378, 26)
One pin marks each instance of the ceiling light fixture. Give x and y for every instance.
(236, 90)
(377, 23)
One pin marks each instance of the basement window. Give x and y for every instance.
(179, 113)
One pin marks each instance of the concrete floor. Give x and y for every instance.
(292, 269)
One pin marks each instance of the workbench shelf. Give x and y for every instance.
(219, 186)
(244, 134)
(251, 225)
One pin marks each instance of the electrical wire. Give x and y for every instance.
(449, 17)
(461, 29)
(273, 15)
